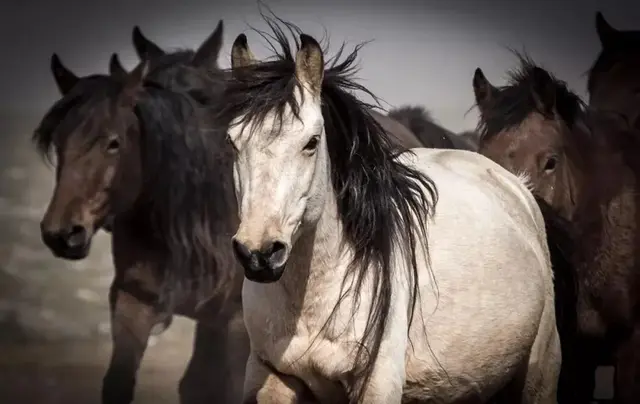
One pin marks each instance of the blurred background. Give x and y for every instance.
(54, 329)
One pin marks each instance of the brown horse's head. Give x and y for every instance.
(614, 78)
(93, 134)
(531, 126)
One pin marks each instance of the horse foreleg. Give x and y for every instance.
(627, 374)
(262, 385)
(216, 368)
(131, 324)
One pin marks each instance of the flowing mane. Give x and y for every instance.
(512, 103)
(378, 197)
(187, 195)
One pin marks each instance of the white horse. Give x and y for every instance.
(321, 194)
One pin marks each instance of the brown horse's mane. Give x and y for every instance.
(512, 103)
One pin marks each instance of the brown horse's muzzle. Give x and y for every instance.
(71, 242)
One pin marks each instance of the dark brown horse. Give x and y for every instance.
(409, 126)
(582, 164)
(614, 78)
(143, 154)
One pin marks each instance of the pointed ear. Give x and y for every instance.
(116, 69)
(606, 33)
(134, 81)
(241, 55)
(483, 90)
(544, 90)
(208, 53)
(145, 49)
(310, 64)
(65, 78)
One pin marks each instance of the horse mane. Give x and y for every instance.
(377, 195)
(512, 103)
(419, 121)
(189, 191)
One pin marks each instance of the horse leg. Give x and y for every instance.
(216, 367)
(627, 375)
(131, 323)
(262, 385)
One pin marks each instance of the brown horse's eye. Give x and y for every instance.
(551, 164)
(113, 145)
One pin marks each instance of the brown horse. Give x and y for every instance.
(582, 164)
(142, 155)
(409, 127)
(614, 78)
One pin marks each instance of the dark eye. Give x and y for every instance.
(551, 164)
(312, 144)
(113, 145)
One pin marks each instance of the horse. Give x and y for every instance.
(409, 126)
(614, 78)
(581, 162)
(348, 296)
(131, 141)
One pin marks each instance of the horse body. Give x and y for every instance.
(440, 326)
(467, 352)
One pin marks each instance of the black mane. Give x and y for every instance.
(189, 192)
(376, 195)
(511, 104)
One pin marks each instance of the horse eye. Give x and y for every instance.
(113, 146)
(311, 144)
(551, 163)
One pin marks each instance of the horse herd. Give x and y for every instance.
(270, 195)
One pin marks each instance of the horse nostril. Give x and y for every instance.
(77, 236)
(241, 251)
(275, 252)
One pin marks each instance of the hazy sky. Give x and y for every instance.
(424, 51)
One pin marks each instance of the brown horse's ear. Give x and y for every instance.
(208, 53)
(145, 49)
(310, 64)
(544, 90)
(116, 69)
(483, 90)
(134, 81)
(606, 33)
(241, 55)
(65, 78)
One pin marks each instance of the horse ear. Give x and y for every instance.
(241, 55)
(145, 49)
(544, 90)
(65, 78)
(134, 81)
(310, 64)
(606, 33)
(483, 90)
(208, 53)
(116, 69)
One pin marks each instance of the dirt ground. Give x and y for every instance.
(65, 372)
